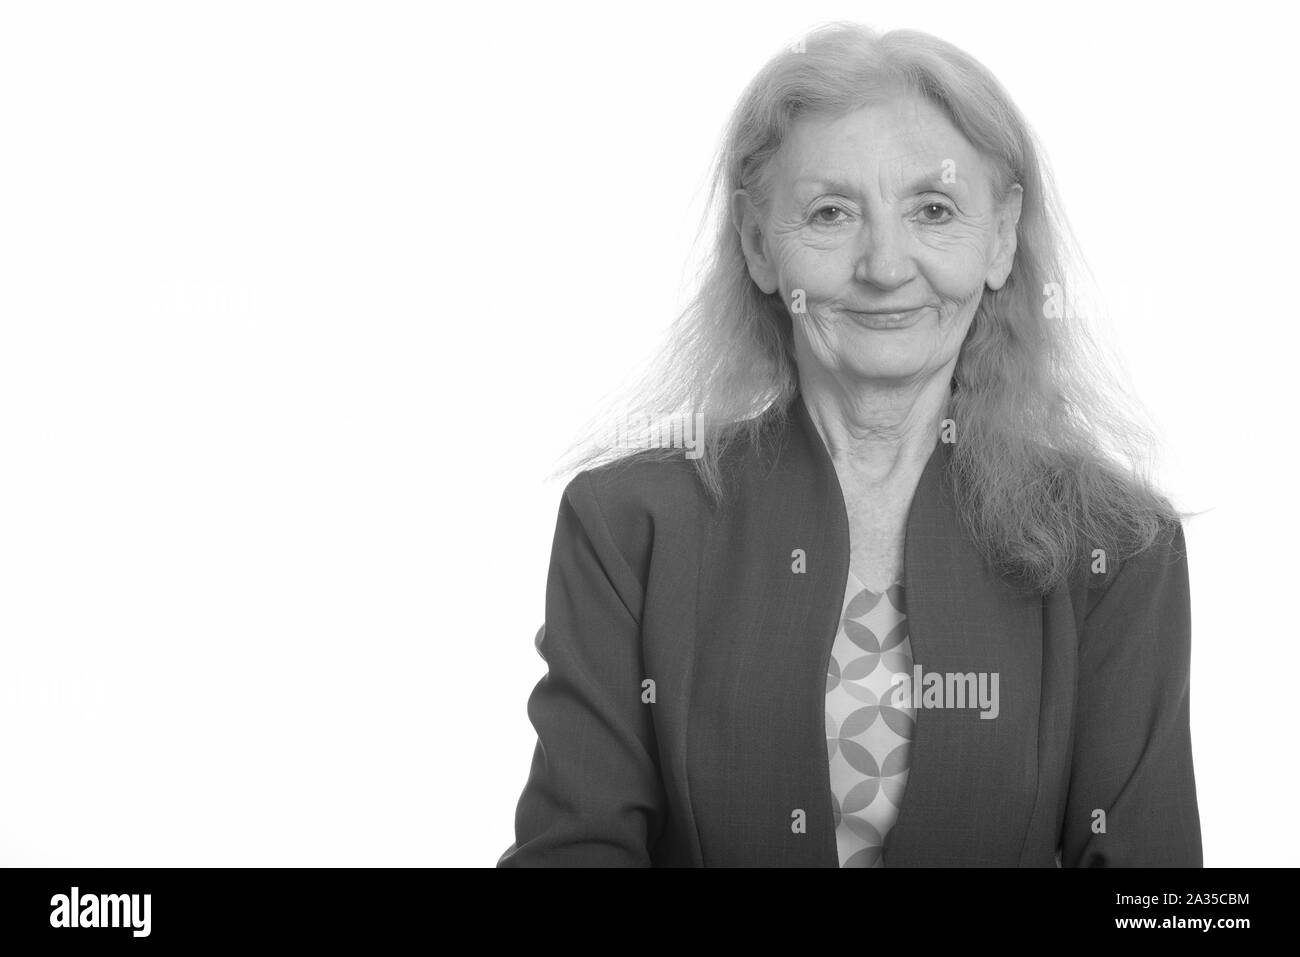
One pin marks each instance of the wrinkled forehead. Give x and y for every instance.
(885, 145)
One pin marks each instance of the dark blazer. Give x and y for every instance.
(648, 581)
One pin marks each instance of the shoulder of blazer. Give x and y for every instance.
(642, 484)
(637, 502)
(656, 498)
(1140, 573)
(1087, 587)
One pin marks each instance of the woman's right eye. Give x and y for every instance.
(835, 212)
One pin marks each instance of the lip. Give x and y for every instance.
(882, 319)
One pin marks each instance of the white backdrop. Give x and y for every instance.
(299, 303)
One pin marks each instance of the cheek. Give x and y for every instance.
(819, 271)
(956, 271)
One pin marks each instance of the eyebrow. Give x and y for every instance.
(930, 182)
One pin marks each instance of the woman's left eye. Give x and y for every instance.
(935, 213)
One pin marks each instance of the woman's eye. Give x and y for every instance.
(935, 213)
(828, 215)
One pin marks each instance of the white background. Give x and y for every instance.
(299, 303)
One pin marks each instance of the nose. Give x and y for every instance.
(883, 260)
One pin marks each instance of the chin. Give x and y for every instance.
(891, 365)
(878, 373)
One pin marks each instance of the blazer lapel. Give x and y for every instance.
(973, 772)
(771, 588)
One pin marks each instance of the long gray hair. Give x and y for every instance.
(1051, 459)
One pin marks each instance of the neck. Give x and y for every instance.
(878, 432)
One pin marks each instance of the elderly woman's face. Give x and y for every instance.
(881, 234)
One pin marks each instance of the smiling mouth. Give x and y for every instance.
(885, 320)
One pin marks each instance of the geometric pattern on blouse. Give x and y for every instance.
(868, 736)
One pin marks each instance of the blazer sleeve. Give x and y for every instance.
(1132, 754)
(594, 796)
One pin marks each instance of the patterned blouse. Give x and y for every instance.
(868, 737)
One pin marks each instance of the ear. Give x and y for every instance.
(1005, 254)
(747, 219)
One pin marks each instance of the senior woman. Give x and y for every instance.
(905, 605)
